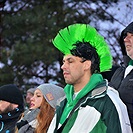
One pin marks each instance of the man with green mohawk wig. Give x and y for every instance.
(90, 106)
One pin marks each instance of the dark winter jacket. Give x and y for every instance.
(9, 120)
(124, 84)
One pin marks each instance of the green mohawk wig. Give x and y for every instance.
(67, 37)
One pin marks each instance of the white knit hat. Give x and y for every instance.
(52, 93)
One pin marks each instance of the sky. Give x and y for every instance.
(122, 12)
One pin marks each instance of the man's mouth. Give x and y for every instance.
(65, 73)
(128, 47)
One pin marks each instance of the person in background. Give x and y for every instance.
(122, 80)
(90, 106)
(43, 105)
(11, 107)
(29, 95)
(108, 74)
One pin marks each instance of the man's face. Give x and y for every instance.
(129, 44)
(5, 107)
(73, 69)
(28, 97)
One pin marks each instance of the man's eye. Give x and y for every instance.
(70, 61)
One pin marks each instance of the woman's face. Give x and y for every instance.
(36, 100)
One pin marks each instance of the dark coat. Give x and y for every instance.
(124, 85)
(9, 120)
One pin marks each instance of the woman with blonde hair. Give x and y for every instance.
(43, 104)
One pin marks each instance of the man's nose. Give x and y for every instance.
(63, 66)
(127, 37)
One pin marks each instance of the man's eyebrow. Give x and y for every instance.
(68, 59)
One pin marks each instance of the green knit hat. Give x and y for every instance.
(67, 37)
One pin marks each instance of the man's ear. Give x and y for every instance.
(14, 105)
(87, 64)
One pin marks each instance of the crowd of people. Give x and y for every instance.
(88, 103)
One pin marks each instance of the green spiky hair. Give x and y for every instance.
(84, 33)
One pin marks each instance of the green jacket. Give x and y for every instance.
(98, 111)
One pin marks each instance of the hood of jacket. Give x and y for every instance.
(129, 29)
